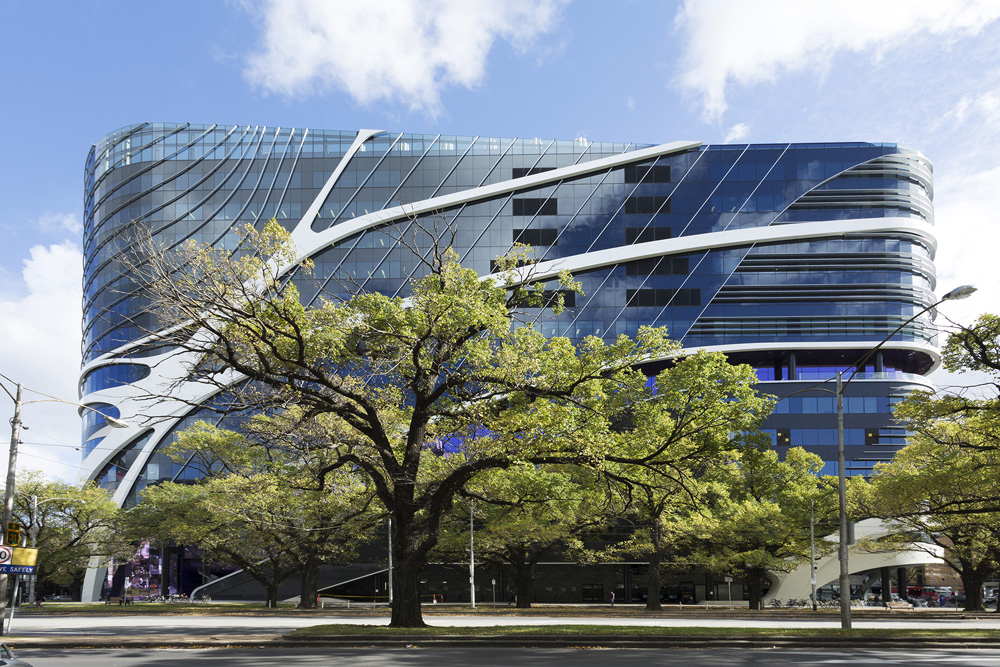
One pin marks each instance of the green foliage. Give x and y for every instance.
(273, 501)
(932, 493)
(695, 417)
(72, 524)
(526, 512)
(393, 378)
(762, 515)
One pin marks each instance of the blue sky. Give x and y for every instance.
(923, 74)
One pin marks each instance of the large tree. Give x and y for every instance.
(757, 515)
(524, 513)
(272, 501)
(451, 367)
(940, 488)
(71, 524)
(689, 420)
(230, 519)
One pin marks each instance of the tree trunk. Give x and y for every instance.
(272, 596)
(655, 579)
(972, 581)
(885, 580)
(406, 611)
(308, 591)
(524, 583)
(755, 578)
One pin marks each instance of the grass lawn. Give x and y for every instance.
(624, 631)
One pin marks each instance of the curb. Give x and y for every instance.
(535, 641)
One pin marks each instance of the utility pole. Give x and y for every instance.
(8, 495)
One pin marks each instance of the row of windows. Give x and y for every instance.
(796, 405)
(658, 266)
(647, 205)
(536, 206)
(115, 375)
(821, 437)
(646, 173)
(536, 237)
(647, 297)
(646, 234)
(521, 172)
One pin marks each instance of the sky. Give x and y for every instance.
(924, 74)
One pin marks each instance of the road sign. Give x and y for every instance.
(15, 560)
(13, 534)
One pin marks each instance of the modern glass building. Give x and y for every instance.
(795, 258)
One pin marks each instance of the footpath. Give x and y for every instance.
(717, 637)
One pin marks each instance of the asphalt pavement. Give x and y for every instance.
(116, 627)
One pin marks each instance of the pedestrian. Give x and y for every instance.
(612, 598)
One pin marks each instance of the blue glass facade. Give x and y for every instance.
(795, 258)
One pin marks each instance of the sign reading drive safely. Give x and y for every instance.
(15, 560)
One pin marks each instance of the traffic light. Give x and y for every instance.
(13, 534)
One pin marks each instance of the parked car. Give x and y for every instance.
(7, 658)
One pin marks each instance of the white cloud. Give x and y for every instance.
(61, 222)
(965, 224)
(40, 348)
(754, 42)
(983, 108)
(736, 132)
(404, 51)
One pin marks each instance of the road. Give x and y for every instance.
(416, 657)
(229, 625)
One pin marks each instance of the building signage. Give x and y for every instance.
(15, 560)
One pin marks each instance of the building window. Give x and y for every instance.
(647, 205)
(662, 266)
(645, 234)
(634, 173)
(521, 172)
(536, 237)
(661, 297)
(536, 206)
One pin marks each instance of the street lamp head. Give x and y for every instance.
(115, 423)
(959, 293)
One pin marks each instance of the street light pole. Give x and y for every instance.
(845, 572)
(812, 553)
